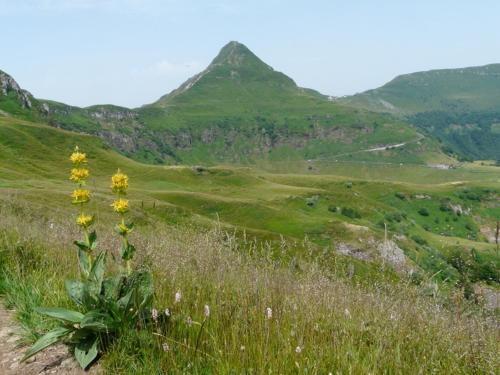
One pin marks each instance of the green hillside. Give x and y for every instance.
(460, 107)
(238, 110)
(449, 90)
(310, 245)
(301, 204)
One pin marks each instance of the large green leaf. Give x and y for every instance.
(83, 261)
(98, 321)
(98, 268)
(127, 252)
(124, 302)
(112, 286)
(92, 240)
(80, 335)
(47, 340)
(96, 276)
(86, 352)
(142, 283)
(76, 291)
(82, 245)
(62, 314)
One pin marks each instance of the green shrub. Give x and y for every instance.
(419, 240)
(332, 208)
(312, 201)
(423, 211)
(400, 195)
(351, 213)
(394, 216)
(444, 207)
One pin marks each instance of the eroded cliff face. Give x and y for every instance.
(9, 86)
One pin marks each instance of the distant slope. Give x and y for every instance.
(236, 83)
(457, 90)
(238, 110)
(460, 107)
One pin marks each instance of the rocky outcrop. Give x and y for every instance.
(8, 85)
(352, 251)
(392, 253)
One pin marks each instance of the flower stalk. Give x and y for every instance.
(81, 197)
(119, 186)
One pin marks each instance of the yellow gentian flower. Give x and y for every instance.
(84, 220)
(78, 157)
(79, 175)
(80, 196)
(120, 205)
(119, 183)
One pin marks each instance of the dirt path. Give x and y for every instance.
(54, 360)
(379, 148)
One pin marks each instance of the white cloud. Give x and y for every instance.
(166, 67)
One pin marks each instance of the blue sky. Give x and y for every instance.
(130, 52)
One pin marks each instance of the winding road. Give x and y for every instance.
(379, 148)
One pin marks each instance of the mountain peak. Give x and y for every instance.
(235, 54)
(235, 70)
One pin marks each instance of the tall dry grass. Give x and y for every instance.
(320, 323)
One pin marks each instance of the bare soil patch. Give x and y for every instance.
(54, 360)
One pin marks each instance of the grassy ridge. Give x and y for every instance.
(459, 107)
(449, 90)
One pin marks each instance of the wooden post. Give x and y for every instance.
(385, 235)
(497, 233)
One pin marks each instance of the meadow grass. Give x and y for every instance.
(320, 322)
(242, 240)
(266, 204)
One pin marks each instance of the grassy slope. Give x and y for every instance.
(339, 325)
(239, 110)
(458, 106)
(450, 90)
(245, 103)
(389, 326)
(267, 204)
